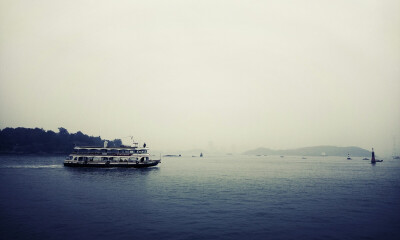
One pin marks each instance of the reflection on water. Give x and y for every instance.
(115, 172)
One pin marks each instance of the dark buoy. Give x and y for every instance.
(373, 157)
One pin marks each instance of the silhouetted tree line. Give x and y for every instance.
(28, 140)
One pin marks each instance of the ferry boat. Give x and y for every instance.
(109, 157)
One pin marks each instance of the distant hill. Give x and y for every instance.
(38, 141)
(313, 151)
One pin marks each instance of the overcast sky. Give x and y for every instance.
(222, 74)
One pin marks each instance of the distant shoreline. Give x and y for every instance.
(37, 141)
(313, 151)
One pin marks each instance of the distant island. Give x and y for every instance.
(38, 141)
(313, 151)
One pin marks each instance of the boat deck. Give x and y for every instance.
(112, 164)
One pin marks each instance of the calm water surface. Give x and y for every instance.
(215, 197)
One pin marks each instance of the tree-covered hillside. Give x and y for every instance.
(33, 141)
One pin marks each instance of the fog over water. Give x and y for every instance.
(216, 75)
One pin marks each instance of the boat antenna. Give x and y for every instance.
(135, 144)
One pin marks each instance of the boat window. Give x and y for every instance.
(93, 151)
(75, 158)
(80, 158)
(82, 151)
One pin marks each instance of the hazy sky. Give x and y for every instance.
(223, 74)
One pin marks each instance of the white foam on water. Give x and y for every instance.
(33, 166)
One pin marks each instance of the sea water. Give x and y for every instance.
(214, 197)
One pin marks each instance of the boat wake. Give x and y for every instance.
(33, 166)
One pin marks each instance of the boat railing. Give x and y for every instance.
(108, 154)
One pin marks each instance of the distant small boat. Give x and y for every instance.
(373, 161)
(348, 156)
(282, 156)
(171, 155)
(365, 158)
(303, 158)
(201, 154)
(395, 154)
